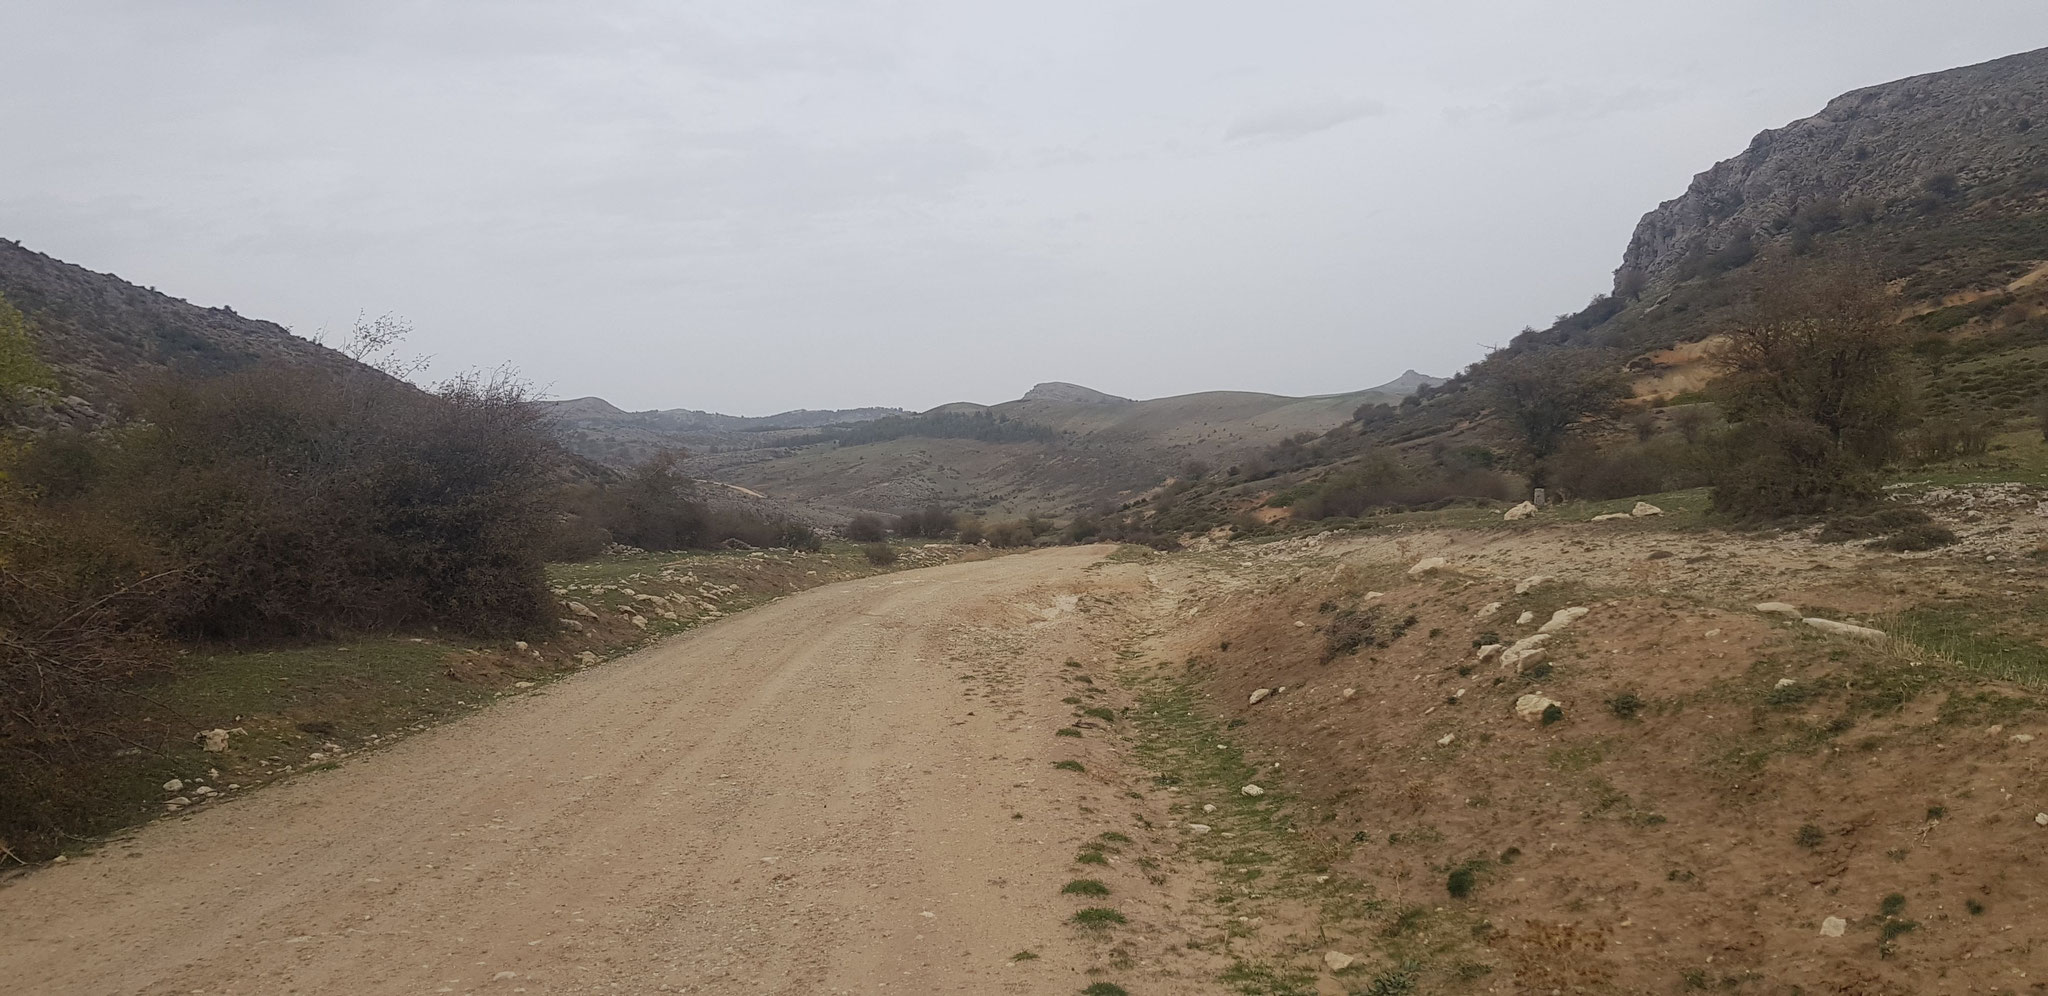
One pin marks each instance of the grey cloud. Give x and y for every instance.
(1298, 120)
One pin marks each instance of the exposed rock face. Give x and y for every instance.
(1887, 143)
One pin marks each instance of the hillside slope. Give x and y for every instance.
(1102, 449)
(103, 335)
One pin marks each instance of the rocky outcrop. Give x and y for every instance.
(1883, 150)
(1071, 394)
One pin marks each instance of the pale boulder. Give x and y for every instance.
(1530, 707)
(1562, 618)
(1644, 508)
(1844, 629)
(1786, 609)
(1427, 564)
(1259, 695)
(1522, 511)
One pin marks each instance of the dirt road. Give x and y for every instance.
(848, 790)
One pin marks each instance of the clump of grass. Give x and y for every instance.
(1066, 731)
(1810, 836)
(1106, 715)
(1625, 705)
(1091, 857)
(1114, 837)
(1069, 766)
(1892, 905)
(1085, 887)
(1105, 989)
(1025, 955)
(1393, 982)
(1461, 882)
(1097, 918)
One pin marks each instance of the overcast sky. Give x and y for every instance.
(767, 204)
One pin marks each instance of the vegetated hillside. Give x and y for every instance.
(1933, 190)
(1059, 448)
(103, 335)
(598, 430)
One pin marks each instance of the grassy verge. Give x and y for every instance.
(290, 710)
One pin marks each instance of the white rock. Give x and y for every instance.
(1525, 618)
(1259, 695)
(1784, 683)
(1522, 511)
(1349, 692)
(1644, 508)
(2022, 738)
(1833, 926)
(1427, 564)
(586, 657)
(1337, 961)
(1370, 595)
(522, 684)
(178, 802)
(1530, 707)
(1488, 611)
(1713, 633)
(1528, 584)
(1198, 828)
(1611, 516)
(581, 609)
(1252, 790)
(1563, 617)
(519, 645)
(1786, 609)
(1489, 650)
(1208, 807)
(639, 620)
(1445, 740)
(203, 790)
(1524, 649)
(174, 785)
(1298, 624)
(1844, 629)
(214, 741)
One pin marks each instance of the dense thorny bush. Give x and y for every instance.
(931, 522)
(866, 528)
(293, 503)
(1663, 463)
(1780, 467)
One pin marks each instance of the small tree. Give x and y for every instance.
(1544, 392)
(1811, 377)
(19, 366)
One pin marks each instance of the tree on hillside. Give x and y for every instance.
(1811, 381)
(1544, 392)
(19, 366)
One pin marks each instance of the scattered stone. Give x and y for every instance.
(519, 645)
(1370, 595)
(1522, 511)
(1644, 508)
(174, 785)
(522, 684)
(1525, 618)
(2022, 738)
(1427, 564)
(1259, 695)
(1528, 584)
(1713, 633)
(1844, 629)
(1337, 961)
(203, 790)
(570, 624)
(2040, 819)
(1487, 652)
(1445, 740)
(1530, 707)
(1198, 828)
(1298, 624)
(586, 658)
(1349, 692)
(1611, 516)
(639, 621)
(1786, 609)
(178, 803)
(1252, 790)
(1208, 807)
(1524, 649)
(1784, 683)
(1563, 617)
(1488, 611)
(581, 609)
(213, 741)
(1833, 926)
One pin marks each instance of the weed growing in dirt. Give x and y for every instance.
(1106, 715)
(1085, 887)
(1091, 857)
(1105, 989)
(1098, 918)
(1069, 766)
(1625, 705)
(1809, 836)
(1066, 731)
(1026, 955)
(1393, 982)
(1113, 837)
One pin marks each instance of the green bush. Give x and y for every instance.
(19, 366)
(879, 554)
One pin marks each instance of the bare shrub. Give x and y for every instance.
(866, 528)
(931, 522)
(879, 554)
